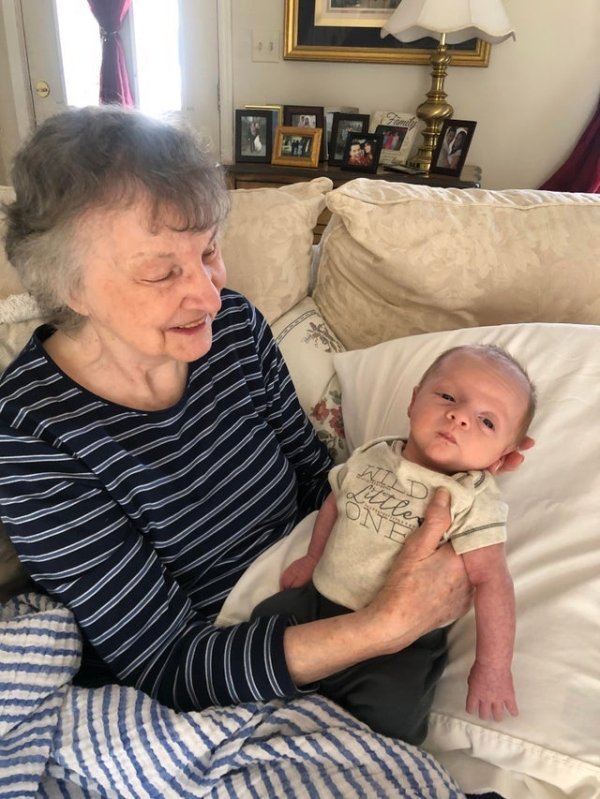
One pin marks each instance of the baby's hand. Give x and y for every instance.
(490, 691)
(298, 573)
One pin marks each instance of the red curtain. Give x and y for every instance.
(581, 170)
(114, 79)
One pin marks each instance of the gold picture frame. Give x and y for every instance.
(297, 146)
(358, 39)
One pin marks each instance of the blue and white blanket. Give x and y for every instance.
(59, 740)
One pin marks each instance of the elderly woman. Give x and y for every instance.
(151, 444)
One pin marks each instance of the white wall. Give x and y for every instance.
(531, 104)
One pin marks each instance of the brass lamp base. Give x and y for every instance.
(435, 109)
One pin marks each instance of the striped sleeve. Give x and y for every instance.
(142, 523)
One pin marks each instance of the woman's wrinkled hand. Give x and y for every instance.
(427, 586)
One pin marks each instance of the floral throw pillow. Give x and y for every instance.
(328, 421)
(308, 344)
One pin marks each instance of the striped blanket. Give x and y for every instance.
(59, 740)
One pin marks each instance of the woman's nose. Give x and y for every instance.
(200, 291)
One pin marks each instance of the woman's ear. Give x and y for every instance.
(412, 401)
(76, 301)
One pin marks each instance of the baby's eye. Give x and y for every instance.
(447, 397)
(487, 422)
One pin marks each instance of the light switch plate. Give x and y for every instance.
(265, 45)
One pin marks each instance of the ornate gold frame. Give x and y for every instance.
(296, 51)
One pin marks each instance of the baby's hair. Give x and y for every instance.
(503, 357)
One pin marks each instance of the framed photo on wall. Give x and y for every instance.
(343, 124)
(361, 153)
(452, 147)
(306, 116)
(253, 136)
(340, 30)
(297, 146)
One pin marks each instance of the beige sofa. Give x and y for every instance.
(403, 272)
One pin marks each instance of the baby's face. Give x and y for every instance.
(466, 414)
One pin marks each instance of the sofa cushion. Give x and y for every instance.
(399, 259)
(553, 747)
(267, 243)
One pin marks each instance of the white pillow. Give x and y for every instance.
(552, 749)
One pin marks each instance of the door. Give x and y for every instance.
(40, 32)
(197, 42)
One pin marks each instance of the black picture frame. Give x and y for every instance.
(448, 158)
(341, 126)
(250, 124)
(368, 150)
(352, 40)
(306, 116)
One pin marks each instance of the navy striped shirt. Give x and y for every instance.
(141, 522)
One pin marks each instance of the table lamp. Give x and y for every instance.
(450, 22)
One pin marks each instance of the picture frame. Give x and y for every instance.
(343, 124)
(452, 147)
(297, 146)
(399, 142)
(276, 110)
(329, 111)
(253, 136)
(314, 30)
(306, 116)
(361, 152)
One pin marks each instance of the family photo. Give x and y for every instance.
(361, 153)
(296, 146)
(452, 146)
(254, 138)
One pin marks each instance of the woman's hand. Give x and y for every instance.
(427, 586)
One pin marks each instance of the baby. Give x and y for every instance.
(471, 408)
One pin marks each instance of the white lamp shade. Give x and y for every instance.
(460, 20)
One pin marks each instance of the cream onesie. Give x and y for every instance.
(381, 498)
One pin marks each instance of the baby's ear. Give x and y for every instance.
(497, 465)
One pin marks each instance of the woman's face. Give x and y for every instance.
(149, 295)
